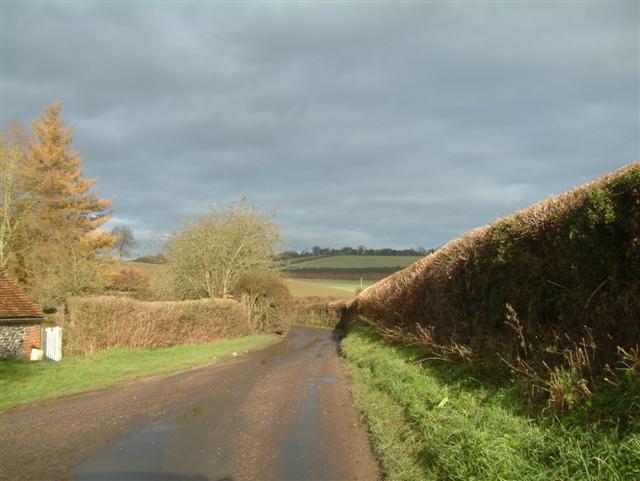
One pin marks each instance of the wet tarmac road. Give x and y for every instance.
(283, 413)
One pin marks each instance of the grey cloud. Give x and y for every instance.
(380, 124)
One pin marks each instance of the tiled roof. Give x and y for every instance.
(14, 303)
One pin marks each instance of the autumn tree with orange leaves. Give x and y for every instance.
(50, 233)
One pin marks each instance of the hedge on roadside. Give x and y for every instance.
(551, 291)
(95, 323)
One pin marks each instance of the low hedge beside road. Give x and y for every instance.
(94, 323)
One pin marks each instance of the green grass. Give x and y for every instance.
(324, 287)
(351, 262)
(23, 382)
(431, 421)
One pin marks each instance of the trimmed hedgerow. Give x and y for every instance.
(552, 292)
(95, 323)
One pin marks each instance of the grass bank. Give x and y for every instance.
(23, 382)
(430, 420)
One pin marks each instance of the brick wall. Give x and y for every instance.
(32, 339)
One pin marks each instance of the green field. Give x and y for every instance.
(324, 287)
(23, 382)
(352, 262)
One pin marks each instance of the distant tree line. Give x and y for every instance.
(317, 252)
(350, 251)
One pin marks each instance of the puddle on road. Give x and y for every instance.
(141, 455)
(137, 457)
(303, 455)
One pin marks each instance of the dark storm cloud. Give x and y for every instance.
(378, 124)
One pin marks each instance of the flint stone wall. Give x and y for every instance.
(11, 341)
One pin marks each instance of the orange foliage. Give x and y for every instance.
(52, 173)
(55, 215)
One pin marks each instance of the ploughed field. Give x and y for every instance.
(351, 262)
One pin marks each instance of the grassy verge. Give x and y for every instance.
(23, 382)
(432, 421)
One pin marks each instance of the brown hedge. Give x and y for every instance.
(557, 280)
(94, 323)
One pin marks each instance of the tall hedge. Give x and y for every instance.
(553, 285)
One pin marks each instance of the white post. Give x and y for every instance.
(52, 343)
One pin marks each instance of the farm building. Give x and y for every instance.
(20, 320)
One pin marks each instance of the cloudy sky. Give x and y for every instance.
(384, 124)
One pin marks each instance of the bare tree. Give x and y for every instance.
(209, 254)
(124, 240)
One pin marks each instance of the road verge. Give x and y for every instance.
(24, 382)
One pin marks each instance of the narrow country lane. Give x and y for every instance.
(283, 413)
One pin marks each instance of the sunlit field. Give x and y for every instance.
(325, 287)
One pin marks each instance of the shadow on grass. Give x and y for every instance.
(490, 383)
(15, 370)
(610, 407)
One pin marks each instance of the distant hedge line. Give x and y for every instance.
(95, 323)
(551, 291)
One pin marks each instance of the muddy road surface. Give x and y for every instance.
(282, 413)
